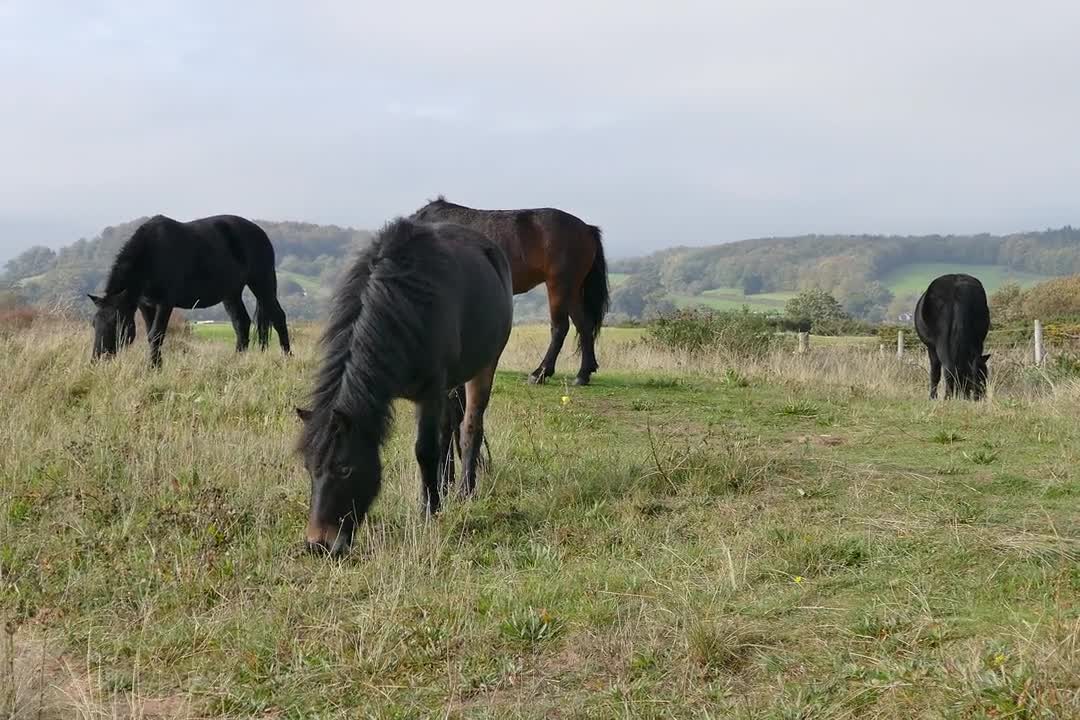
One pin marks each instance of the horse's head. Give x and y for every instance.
(345, 472)
(114, 323)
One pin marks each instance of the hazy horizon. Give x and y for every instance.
(692, 124)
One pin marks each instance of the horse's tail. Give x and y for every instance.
(597, 296)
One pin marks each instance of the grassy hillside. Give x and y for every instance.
(913, 279)
(866, 273)
(690, 537)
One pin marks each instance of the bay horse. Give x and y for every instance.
(550, 246)
(952, 319)
(169, 264)
(423, 309)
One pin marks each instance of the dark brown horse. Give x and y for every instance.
(549, 246)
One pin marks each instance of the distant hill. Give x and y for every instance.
(875, 277)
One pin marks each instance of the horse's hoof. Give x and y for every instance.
(579, 380)
(537, 379)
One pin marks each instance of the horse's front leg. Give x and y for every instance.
(156, 333)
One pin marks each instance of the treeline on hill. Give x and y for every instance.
(850, 267)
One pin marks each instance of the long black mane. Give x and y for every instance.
(122, 274)
(375, 325)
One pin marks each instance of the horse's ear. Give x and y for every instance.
(99, 301)
(303, 414)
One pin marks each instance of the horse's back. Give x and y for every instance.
(539, 242)
(481, 308)
(200, 262)
(953, 312)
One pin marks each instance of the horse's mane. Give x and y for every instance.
(374, 333)
(127, 258)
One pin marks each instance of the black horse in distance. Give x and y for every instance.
(169, 264)
(952, 319)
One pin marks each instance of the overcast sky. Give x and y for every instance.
(679, 122)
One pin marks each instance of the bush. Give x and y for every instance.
(1053, 300)
(844, 326)
(17, 318)
(740, 332)
(814, 306)
(1007, 304)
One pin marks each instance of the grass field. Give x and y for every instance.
(690, 537)
(913, 279)
(734, 299)
(311, 285)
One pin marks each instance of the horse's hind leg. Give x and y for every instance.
(587, 341)
(560, 325)
(477, 395)
(269, 311)
(935, 372)
(450, 437)
(241, 321)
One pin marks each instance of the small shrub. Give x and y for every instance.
(844, 327)
(946, 437)
(1066, 365)
(530, 627)
(733, 378)
(17, 318)
(724, 647)
(694, 330)
(800, 408)
(982, 457)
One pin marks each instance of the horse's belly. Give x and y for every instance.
(189, 302)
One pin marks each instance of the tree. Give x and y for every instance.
(1054, 299)
(34, 261)
(641, 296)
(868, 302)
(1007, 303)
(902, 309)
(814, 306)
(752, 284)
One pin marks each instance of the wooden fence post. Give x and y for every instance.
(899, 344)
(804, 342)
(1039, 351)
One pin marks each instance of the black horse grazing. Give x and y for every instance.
(952, 319)
(425, 308)
(550, 246)
(169, 264)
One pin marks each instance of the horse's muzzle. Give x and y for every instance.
(332, 540)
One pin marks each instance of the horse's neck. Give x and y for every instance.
(125, 276)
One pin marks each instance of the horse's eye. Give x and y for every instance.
(343, 471)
